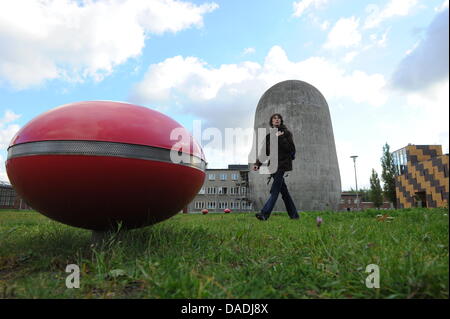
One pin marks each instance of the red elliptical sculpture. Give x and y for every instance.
(98, 163)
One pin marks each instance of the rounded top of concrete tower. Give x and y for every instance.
(292, 92)
(290, 84)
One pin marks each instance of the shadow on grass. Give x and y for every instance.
(65, 242)
(52, 249)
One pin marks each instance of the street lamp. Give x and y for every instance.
(356, 181)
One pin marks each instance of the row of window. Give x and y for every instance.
(222, 177)
(222, 205)
(7, 197)
(223, 190)
(350, 201)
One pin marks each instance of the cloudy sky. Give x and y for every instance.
(382, 65)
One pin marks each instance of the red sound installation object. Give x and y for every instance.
(204, 211)
(99, 163)
(227, 210)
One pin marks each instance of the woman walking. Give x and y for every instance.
(286, 153)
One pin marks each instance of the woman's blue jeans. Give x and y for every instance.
(279, 186)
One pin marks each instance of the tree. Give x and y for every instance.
(376, 193)
(388, 175)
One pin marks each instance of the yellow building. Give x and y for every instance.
(422, 179)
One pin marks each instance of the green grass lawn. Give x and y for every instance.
(231, 256)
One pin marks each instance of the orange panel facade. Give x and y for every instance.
(423, 181)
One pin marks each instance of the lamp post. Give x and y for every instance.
(356, 181)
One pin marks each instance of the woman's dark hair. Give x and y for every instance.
(278, 115)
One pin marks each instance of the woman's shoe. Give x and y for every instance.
(260, 216)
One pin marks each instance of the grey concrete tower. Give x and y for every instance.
(314, 182)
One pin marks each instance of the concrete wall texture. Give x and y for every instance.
(314, 182)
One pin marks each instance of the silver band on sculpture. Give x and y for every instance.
(98, 148)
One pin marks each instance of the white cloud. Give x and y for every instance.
(248, 51)
(443, 6)
(8, 117)
(432, 106)
(426, 117)
(414, 47)
(75, 40)
(301, 6)
(392, 9)
(382, 42)
(7, 128)
(325, 25)
(427, 63)
(344, 33)
(226, 96)
(379, 41)
(367, 159)
(190, 77)
(317, 21)
(3, 175)
(417, 118)
(350, 56)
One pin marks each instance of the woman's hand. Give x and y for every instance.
(279, 133)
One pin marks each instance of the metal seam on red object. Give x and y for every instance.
(99, 148)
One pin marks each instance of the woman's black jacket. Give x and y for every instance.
(286, 150)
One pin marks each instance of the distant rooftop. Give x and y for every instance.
(238, 166)
(231, 167)
(418, 145)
